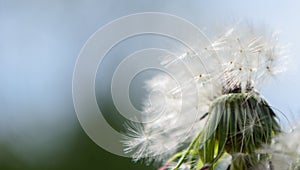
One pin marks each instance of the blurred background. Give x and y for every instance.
(39, 45)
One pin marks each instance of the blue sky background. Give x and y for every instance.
(40, 41)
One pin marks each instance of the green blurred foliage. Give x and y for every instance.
(84, 154)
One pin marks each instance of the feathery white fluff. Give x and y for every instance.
(286, 150)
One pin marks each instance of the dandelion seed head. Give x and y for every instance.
(247, 57)
(238, 61)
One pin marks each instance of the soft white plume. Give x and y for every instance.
(286, 150)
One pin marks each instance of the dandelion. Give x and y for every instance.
(214, 111)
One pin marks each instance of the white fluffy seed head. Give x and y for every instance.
(238, 60)
(247, 57)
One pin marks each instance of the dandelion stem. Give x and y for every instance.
(196, 140)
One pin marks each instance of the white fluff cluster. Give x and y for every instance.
(286, 151)
(238, 60)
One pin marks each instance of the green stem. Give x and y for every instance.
(195, 140)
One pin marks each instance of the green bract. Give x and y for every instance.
(238, 124)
